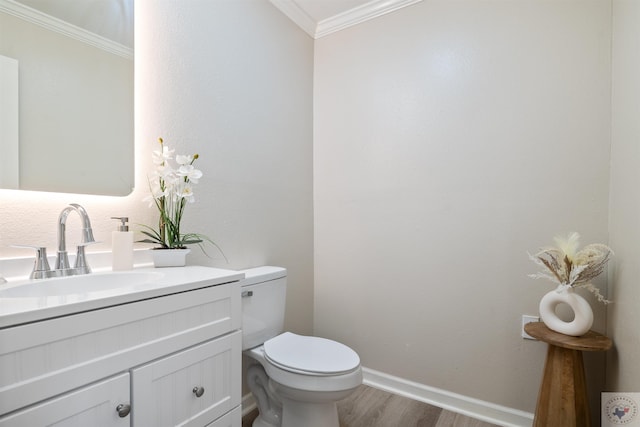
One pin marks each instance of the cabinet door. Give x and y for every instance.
(93, 406)
(191, 388)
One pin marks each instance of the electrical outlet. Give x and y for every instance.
(528, 319)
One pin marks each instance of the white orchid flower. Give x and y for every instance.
(192, 174)
(186, 192)
(160, 156)
(171, 178)
(184, 159)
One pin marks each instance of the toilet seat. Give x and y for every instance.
(310, 355)
(307, 381)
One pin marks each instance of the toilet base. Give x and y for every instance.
(283, 406)
(308, 409)
(260, 422)
(269, 407)
(296, 414)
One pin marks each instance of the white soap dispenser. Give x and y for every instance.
(122, 246)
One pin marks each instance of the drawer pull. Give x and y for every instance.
(245, 294)
(199, 391)
(123, 410)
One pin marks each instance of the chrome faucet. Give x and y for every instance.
(41, 269)
(62, 260)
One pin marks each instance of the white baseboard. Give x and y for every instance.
(475, 408)
(248, 403)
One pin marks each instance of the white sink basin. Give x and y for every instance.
(84, 284)
(28, 301)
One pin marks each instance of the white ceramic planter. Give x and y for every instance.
(169, 257)
(583, 314)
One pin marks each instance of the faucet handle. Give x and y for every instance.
(41, 267)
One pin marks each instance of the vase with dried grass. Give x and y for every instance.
(570, 268)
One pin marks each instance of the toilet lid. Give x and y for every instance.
(311, 354)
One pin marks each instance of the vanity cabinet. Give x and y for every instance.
(173, 360)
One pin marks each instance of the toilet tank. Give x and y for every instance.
(264, 293)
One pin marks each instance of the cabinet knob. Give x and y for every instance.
(123, 410)
(198, 391)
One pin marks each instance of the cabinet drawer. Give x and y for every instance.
(48, 358)
(94, 406)
(231, 419)
(164, 391)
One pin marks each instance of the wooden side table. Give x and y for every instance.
(562, 401)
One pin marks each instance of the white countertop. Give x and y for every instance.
(25, 309)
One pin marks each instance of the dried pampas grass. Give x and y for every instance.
(568, 266)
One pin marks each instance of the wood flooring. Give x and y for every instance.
(370, 407)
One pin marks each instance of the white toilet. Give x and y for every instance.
(296, 380)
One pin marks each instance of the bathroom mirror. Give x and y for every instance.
(75, 112)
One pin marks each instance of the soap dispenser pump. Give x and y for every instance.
(122, 246)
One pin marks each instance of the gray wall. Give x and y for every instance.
(623, 373)
(450, 139)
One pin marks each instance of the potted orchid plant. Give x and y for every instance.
(171, 190)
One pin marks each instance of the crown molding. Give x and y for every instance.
(343, 20)
(54, 24)
(297, 15)
(360, 14)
